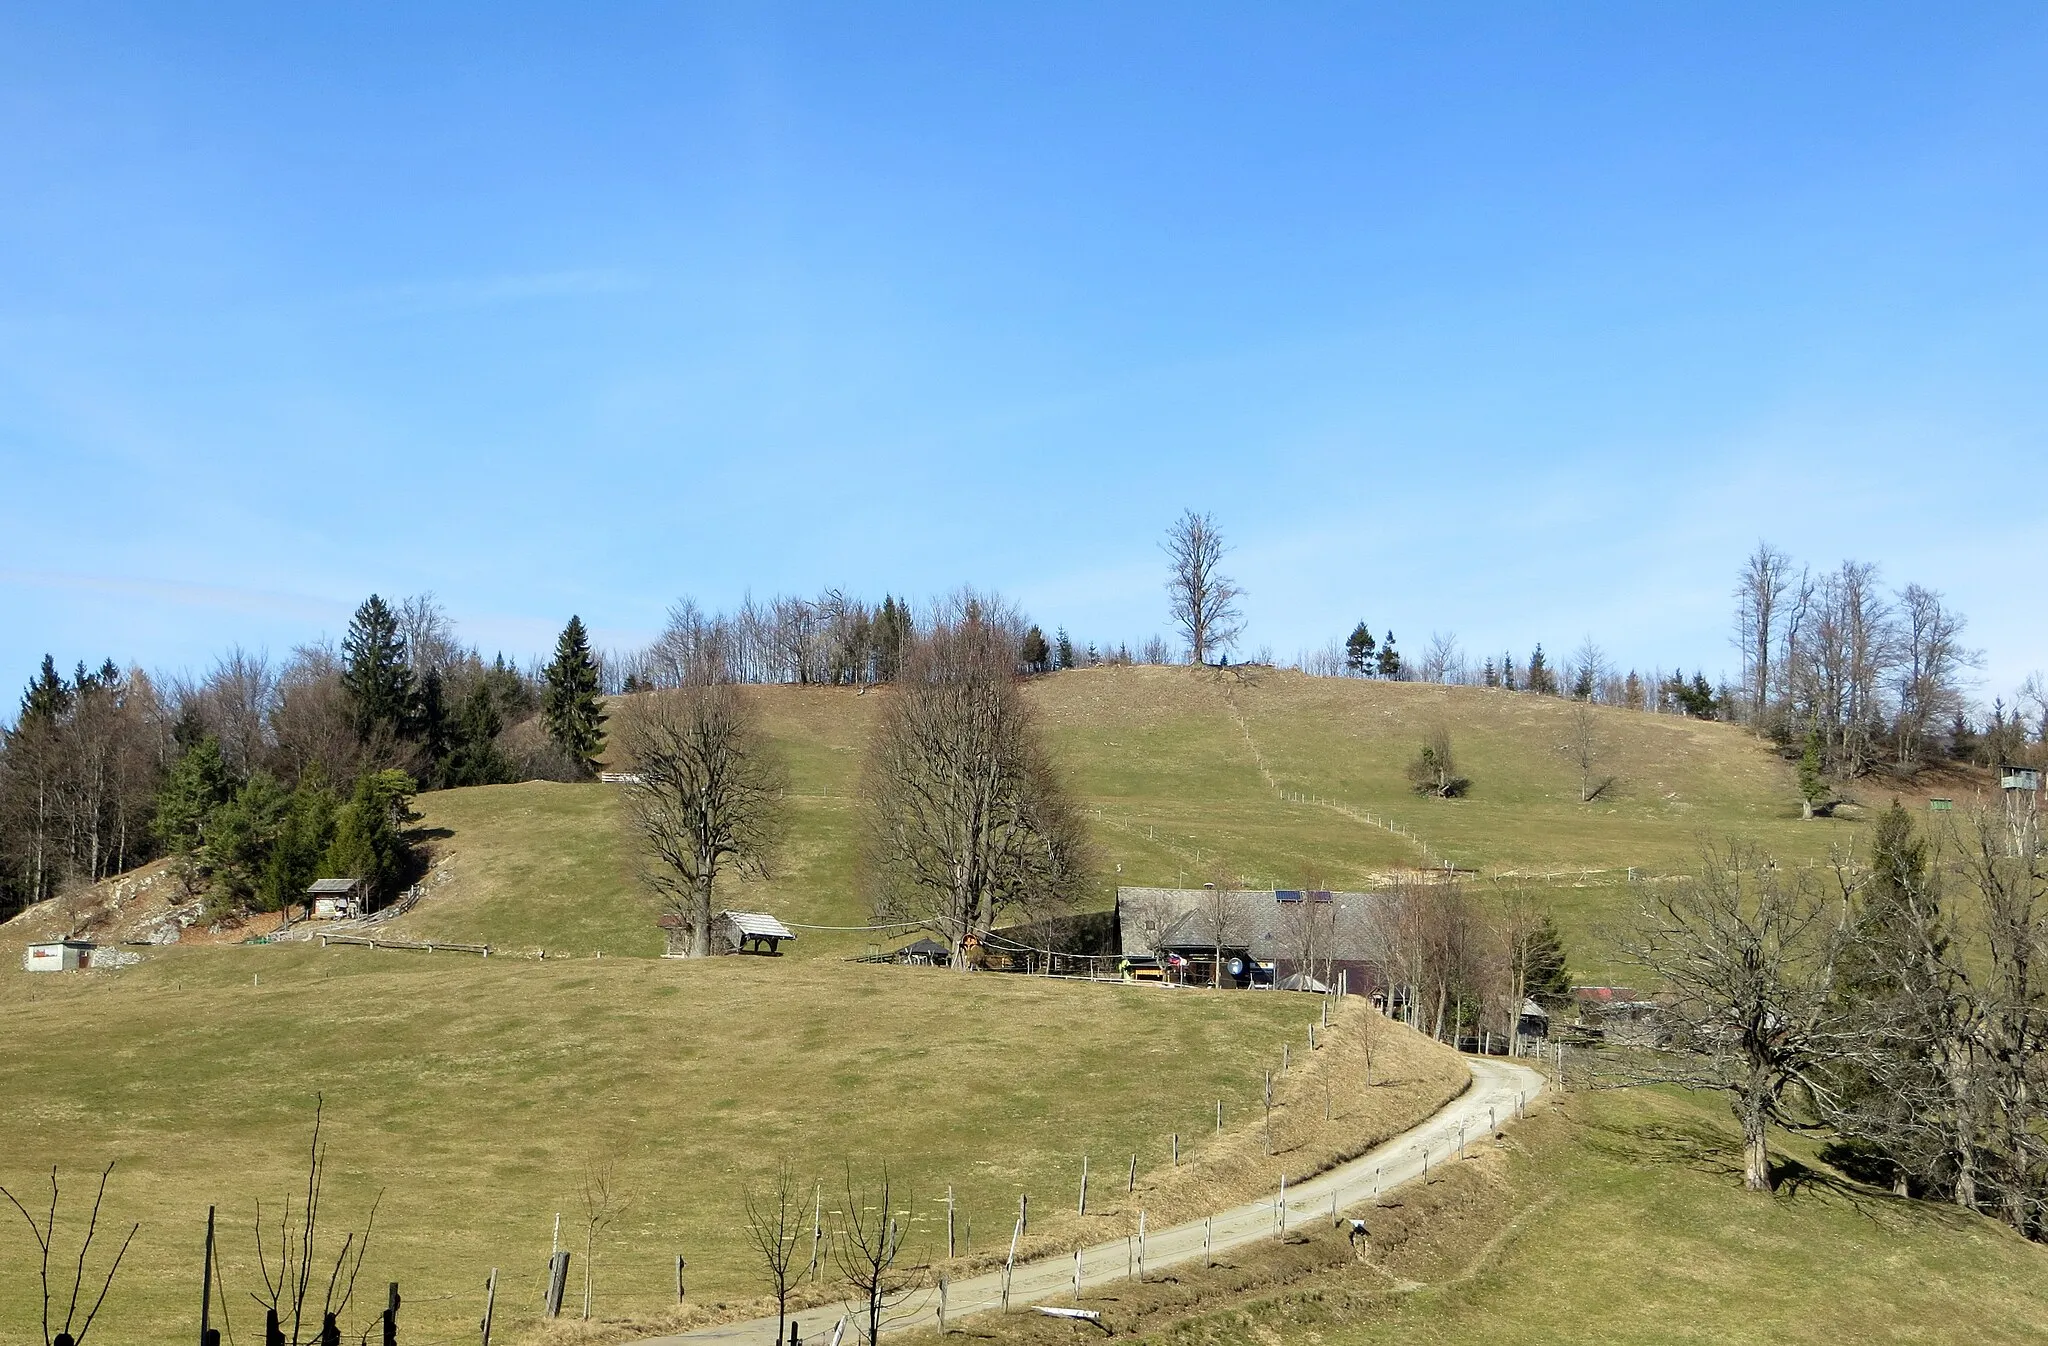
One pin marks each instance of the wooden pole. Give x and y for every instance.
(942, 1306)
(679, 1278)
(1141, 1245)
(1132, 1185)
(1219, 1116)
(1283, 1058)
(490, 1304)
(1176, 1149)
(1024, 1210)
(1084, 1185)
(1207, 1241)
(206, 1282)
(949, 1239)
(1077, 1275)
(1010, 1264)
(817, 1225)
(1280, 1206)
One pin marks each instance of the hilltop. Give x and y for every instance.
(1268, 778)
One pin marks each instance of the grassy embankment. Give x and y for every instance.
(1608, 1217)
(474, 1092)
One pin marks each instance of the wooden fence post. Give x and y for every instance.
(391, 1316)
(490, 1304)
(1084, 1185)
(206, 1282)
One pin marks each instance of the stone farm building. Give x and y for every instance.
(1288, 938)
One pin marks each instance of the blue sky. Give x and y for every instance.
(1519, 322)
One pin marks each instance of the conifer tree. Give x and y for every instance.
(367, 841)
(1389, 659)
(1541, 679)
(570, 706)
(1813, 789)
(1063, 649)
(431, 723)
(1358, 651)
(374, 672)
(47, 699)
(1549, 981)
(892, 638)
(1034, 653)
(474, 758)
(1489, 676)
(1507, 673)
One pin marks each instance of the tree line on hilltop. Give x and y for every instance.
(259, 778)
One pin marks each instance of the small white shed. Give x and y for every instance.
(57, 955)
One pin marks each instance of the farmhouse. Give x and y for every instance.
(57, 955)
(1294, 939)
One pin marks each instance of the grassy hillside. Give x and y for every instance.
(1276, 779)
(1620, 1218)
(474, 1092)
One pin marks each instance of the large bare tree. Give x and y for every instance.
(965, 815)
(710, 794)
(1204, 599)
(1931, 662)
(1759, 598)
(1744, 957)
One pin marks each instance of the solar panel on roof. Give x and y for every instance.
(1287, 895)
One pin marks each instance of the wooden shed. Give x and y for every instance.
(338, 899)
(752, 932)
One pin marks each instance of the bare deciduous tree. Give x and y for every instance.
(1759, 595)
(1586, 748)
(45, 1235)
(1443, 661)
(1221, 922)
(1203, 598)
(603, 1202)
(774, 1224)
(709, 797)
(965, 816)
(1745, 957)
(868, 1247)
(289, 1284)
(1931, 660)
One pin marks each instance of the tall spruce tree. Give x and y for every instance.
(475, 758)
(1063, 649)
(1541, 679)
(1034, 653)
(571, 707)
(1389, 659)
(1358, 651)
(374, 671)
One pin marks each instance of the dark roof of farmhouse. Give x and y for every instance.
(1262, 921)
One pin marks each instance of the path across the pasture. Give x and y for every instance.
(1499, 1090)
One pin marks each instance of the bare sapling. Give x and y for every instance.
(774, 1227)
(288, 1282)
(45, 1235)
(868, 1246)
(603, 1202)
